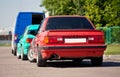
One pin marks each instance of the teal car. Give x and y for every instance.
(25, 40)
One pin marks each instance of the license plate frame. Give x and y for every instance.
(75, 40)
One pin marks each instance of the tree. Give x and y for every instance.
(101, 12)
(64, 7)
(112, 12)
(94, 9)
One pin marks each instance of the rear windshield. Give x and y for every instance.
(68, 23)
(33, 32)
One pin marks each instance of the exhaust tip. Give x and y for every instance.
(55, 56)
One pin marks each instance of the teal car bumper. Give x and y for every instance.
(23, 48)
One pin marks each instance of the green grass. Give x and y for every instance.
(113, 49)
(5, 44)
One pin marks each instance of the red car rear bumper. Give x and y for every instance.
(49, 52)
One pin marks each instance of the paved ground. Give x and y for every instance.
(10, 66)
(112, 57)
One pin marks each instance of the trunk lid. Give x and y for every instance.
(75, 37)
(74, 32)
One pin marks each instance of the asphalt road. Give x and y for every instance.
(10, 66)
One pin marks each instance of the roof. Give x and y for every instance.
(66, 16)
(31, 12)
(33, 27)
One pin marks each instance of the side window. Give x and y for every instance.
(33, 32)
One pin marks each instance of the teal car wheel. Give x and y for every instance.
(23, 57)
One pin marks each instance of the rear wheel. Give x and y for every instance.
(97, 61)
(30, 55)
(14, 51)
(40, 61)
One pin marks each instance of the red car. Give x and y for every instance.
(67, 37)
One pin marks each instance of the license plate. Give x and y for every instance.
(75, 40)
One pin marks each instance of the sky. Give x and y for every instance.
(10, 8)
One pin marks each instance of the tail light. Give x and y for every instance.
(96, 39)
(15, 37)
(53, 40)
(29, 40)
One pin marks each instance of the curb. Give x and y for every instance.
(112, 57)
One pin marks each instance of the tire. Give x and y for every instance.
(18, 55)
(30, 55)
(23, 57)
(40, 61)
(14, 52)
(97, 61)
